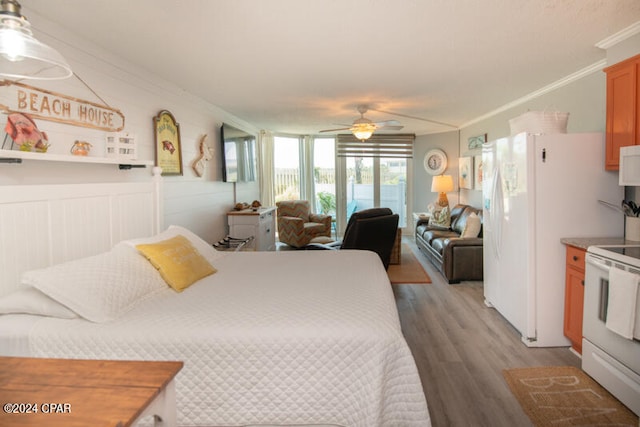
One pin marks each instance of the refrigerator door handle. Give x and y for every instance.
(496, 212)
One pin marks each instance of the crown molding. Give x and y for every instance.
(606, 43)
(620, 36)
(598, 66)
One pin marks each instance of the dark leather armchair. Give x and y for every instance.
(370, 229)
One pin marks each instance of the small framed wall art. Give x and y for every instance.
(168, 145)
(477, 172)
(465, 177)
(477, 141)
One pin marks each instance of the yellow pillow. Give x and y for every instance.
(178, 261)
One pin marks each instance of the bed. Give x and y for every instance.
(270, 338)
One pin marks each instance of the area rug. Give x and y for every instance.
(566, 396)
(409, 270)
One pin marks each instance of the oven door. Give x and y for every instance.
(596, 295)
(610, 359)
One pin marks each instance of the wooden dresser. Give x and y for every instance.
(261, 224)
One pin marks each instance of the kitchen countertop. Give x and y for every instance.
(585, 242)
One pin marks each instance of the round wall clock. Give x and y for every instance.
(435, 161)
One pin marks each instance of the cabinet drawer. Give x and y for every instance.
(575, 257)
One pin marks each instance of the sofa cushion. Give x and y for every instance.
(430, 235)
(440, 243)
(461, 221)
(472, 227)
(457, 210)
(421, 229)
(314, 228)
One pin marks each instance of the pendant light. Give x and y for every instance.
(21, 55)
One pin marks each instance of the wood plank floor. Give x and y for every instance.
(461, 347)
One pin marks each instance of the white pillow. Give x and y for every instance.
(29, 300)
(472, 226)
(205, 249)
(101, 287)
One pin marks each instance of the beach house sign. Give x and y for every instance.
(46, 105)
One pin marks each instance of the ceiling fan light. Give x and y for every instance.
(363, 131)
(21, 55)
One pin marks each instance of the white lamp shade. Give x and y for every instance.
(442, 184)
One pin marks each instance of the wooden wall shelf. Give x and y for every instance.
(16, 156)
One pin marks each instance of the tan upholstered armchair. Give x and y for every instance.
(298, 226)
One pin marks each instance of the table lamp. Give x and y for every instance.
(442, 184)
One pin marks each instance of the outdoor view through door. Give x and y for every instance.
(376, 182)
(305, 168)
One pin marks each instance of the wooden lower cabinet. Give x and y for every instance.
(574, 296)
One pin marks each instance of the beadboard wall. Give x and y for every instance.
(199, 203)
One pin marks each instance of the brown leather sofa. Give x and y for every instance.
(455, 257)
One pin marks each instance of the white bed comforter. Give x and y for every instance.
(271, 338)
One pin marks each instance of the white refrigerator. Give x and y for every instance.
(537, 190)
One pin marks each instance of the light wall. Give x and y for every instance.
(422, 195)
(199, 203)
(584, 99)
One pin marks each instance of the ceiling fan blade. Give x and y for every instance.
(334, 130)
(414, 117)
(391, 127)
(386, 123)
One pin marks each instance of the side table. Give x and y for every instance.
(261, 224)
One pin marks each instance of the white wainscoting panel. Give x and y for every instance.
(42, 225)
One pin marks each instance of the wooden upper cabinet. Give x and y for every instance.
(623, 108)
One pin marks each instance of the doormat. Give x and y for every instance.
(409, 270)
(566, 396)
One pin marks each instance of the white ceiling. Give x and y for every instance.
(299, 66)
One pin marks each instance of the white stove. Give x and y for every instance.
(628, 254)
(607, 356)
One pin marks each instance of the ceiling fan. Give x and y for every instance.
(362, 128)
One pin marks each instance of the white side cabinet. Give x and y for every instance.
(260, 224)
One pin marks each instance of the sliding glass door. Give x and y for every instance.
(340, 180)
(324, 176)
(286, 162)
(304, 169)
(367, 182)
